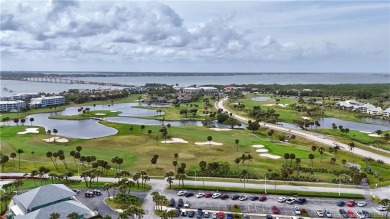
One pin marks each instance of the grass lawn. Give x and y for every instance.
(89, 115)
(137, 149)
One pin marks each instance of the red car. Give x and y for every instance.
(351, 203)
(208, 195)
(221, 215)
(262, 198)
(351, 214)
(275, 210)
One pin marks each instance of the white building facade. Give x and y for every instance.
(47, 101)
(12, 105)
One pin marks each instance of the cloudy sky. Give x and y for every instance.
(196, 36)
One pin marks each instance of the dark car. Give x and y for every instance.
(172, 202)
(343, 213)
(268, 216)
(191, 213)
(340, 203)
(180, 203)
(89, 194)
(189, 194)
(208, 195)
(224, 196)
(199, 213)
(254, 198)
(178, 212)
(229, 216)
(235, 197)
(366, 214)
(262, 198)
(301, 201)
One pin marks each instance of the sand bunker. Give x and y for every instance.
(258, 146)
(57, 139)
(113, 111)
(304, 117)
(261, 150)
(282, 105)
(365, 132)
(374, 135)
(175, 140)
(220, 129)
(269, 105)
(100, 114)
(207, 143)
(270, 156)
(29, 130)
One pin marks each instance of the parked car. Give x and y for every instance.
(200, 195)
(268, 216)
(208, 195)
(351, 203)
(290, 201)
(343, 213)
(262, 198)
(320, 213)
(366, 214)
(254, 198)
(177, 212)
(301, 201)
(214, 215)
(199, 213)
(77, 191)
(189, 194)
(243, 198)
(361, 204)
(382, 208)
(96, 192)
(351, 214)
(229, 216)
(221, 215)
(224, 196)
(216, 195)
(184, 213)
(191, 214)
(206, 214)
(275, 210)
(281, 199)
(187, 204)
(245, 216)
(359, 214)
(89, 194)
(297, 210)
(340, 203)
(181, 193)
(235, 197)
(328, 213)
(172, 202)
(180, 203)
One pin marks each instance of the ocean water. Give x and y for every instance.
(220, 79)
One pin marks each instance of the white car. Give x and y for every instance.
(320, 213)
(181, 193)
(290, 201)
(382, 208)
(281, 199)
(243, 198)
(200, 195)
(214, 215)
(187, 204)
(216, 195)
(360, 215)
(361, 204)
(297, 210)
(327, 213)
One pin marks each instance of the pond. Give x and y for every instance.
(261, 98)
(327, 123)
(376, 121)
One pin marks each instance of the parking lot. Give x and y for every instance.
(258, 207)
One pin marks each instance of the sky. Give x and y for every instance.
(195, 36)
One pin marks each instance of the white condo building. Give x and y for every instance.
(47, 101)
(386, 112)
(195, 90)
(12, 105)
(23, 96)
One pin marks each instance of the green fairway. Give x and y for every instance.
(89, 115)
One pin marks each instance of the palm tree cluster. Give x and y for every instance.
(268, 115)
(242, 159)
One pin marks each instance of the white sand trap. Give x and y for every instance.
(113, 111)
(258, 146)
(261, 150)
(269, 105)
(374, 135)
(270, 156)
(29, 130)
(207, 143)
(58, 139)
(100, 114)
(365, 132)
(282, 105)
(220, 129)
(175, 140)
(304, 117)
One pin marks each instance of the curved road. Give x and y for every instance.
(309, 135)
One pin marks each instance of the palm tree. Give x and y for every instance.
(313, 148)
(33, 155)
(50, 155)
(16, 121)
(20, 151)
(107, 187)
(174, 163)
(378, 132)
(142, 128)
(48, 132)
(311, 157)
(22, 121)
(321, 151)
(237, 142)
(169, 128)
(237, 161)
(13, 155)
(270, 133)
(73, 215)
(297, 162)
(351, 146)
(169, 178)
(149, 131)
(286, 156)
(31, 120)
(292, 157)
(55, 215)
(244, 176)
(3, 160)
(209, 139)
(55, 131)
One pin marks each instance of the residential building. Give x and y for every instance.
(375, 111)
(386, 112)
(47, 101)
(12, 106)
(8, 98)
(23, 96)
(365, 108)
(209, 90)
(191, 90)
(42, 201)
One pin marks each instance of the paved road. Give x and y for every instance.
(309, 135)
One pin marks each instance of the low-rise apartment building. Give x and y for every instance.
(47, 101)
(12, 105)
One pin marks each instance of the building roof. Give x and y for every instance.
(11, 102)
(62, 208)
(387, 110)
(43, 195)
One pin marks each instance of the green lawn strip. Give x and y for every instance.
(235, 209)
(110, 202)
(88, 115)
(271, 192)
